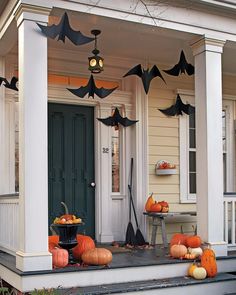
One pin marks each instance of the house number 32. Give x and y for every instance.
(105, 150)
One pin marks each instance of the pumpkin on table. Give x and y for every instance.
(60, 257)
(97, 256)
(150, 201)
(84, 243)
(208, 261)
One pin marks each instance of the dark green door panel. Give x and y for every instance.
(71, 162)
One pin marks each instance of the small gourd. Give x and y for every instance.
(59, 257)
(191, 269)
(208, 261)
(189, 256)
(199, 273)
(150, 201)
(178, 251)
(196, 251)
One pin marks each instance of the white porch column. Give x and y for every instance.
(33, 224)
(2, 131)
(209, 156)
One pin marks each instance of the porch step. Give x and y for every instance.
(222, 283)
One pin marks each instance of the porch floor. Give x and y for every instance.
(132, 258)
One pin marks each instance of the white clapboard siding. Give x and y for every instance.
(230, 220)
(163, 138)
(9, 214)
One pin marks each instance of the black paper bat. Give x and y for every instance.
(11, 85)
(181, 67)
(145, 75)
(116, 118)
(63, 29)
(91, 89)
(178, 108)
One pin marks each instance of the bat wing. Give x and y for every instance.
(81, 92)
(107, 121)
(190, 69)
(148, 76)
(63, 29)
(173, 71)
(127, 122)
(187, 109)
(155, 72)
(171, 111)
(103, 92)
(137, 70)
(12, 84)
(3, 80)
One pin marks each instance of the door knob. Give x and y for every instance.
(92, 184)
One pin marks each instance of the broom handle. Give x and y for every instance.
(132, 202)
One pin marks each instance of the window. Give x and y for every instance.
(115, 142)
(187, 131)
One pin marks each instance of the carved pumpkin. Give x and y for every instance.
(59, 257)
(193, 241)
(178, 239)
(208, 261)
(191, 269)
(150, 201)
(84, 243)
(199, 273)
(156, 207)
(178, 251)
(97, 256)
(53, 242)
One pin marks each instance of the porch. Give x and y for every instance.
(133, 271)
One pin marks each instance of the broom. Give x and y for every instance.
(130, 235)
(140, 241)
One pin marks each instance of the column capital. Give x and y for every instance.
(207, 44)
(31, 13)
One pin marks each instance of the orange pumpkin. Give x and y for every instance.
(59, 257)
(178, 239)
(208, 261)
(156, 207)
(53, 242)
(178, 251)
(97, 256)
(84, 243)
(193, 241)
(150, 201)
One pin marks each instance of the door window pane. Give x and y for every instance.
(115, 160)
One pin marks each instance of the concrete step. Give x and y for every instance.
(222, 283)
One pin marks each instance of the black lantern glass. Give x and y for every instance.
(95, 61)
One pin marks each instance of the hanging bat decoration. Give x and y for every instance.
(181, 67)
(145, 75)
(178, 108)
(11, 84)
(91, 89)
(63, 30)
(116, 119)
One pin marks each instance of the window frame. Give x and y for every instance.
(228, 106)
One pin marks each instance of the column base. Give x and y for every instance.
(33, 261)
(220, 248)
(106, 238)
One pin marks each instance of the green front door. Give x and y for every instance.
(71, 162)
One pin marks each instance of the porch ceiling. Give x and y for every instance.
(134, 41)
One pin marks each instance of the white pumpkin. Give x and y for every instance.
(199, 273)
(196, 251)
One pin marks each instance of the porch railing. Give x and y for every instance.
(229, 220)
(9, 213)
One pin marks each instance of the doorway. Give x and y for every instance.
(71, 163)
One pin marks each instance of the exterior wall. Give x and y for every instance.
(163, 136)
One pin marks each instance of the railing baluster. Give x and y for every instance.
(226, 221)
(229, 220)
(233, 223)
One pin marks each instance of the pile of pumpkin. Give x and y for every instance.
(189, 247)
(85, 251)
(153, 206)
